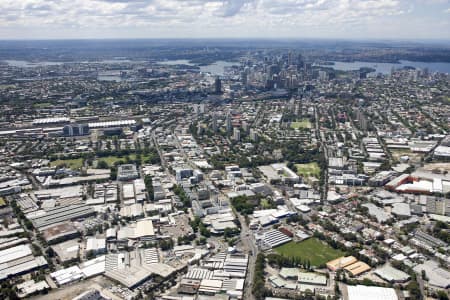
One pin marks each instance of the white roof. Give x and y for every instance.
(95, 244)
(389, 273)
(143, 228)
(14, 253)
(360, 292)
(67, 275)
(93, 267)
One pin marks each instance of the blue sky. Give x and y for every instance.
(347, 19)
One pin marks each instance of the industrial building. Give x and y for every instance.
(391, 274)
(19, 260)
(59, 232)
(438, 277)
(133, 268)
(127, 172)
(67, 251)
(359, 292)
(273, 238)
(60, 214)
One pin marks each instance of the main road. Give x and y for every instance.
(249, 245)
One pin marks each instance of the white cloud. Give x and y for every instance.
(190, 18)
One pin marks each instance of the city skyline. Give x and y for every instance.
(325, 19)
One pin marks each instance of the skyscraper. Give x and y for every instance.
(229, 123)
(253, 135)
(236, 134)
(214, 123)
(218, 86)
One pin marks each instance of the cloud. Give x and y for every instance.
(209, 18)
(232, 7)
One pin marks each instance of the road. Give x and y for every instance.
(248, 244)
(323, 147)
(161, 156)
(247, 239)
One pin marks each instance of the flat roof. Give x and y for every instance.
(357, 268)
(359, 292)
(391, 274)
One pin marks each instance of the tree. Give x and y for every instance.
(258, 289)
(442, 295)
(414, 290)
(102, 165)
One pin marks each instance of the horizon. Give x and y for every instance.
(397, 41)
(291, 19)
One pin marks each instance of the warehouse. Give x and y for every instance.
(93, 267)
(30, 287)
(236, 265)
(128, 193)
(359, 292)
(67, 251)
(273, 238)
(126, 268)
(189, 286)
(68, 275)
(437, 276)
(198, 274)
(210, 286)
(134, 210)
(357, 268)
(143, 230)
(340, 263)
(19, 260)
(131, 268)
(391, 274)
(96, 245)
(60, 214)
(71, 192)
(59, 232)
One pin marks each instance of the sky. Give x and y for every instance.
(329, 19)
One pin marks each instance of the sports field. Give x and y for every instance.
(308, 170)
(73, 164)
(314, 250)
(302, 124)
(111, 160)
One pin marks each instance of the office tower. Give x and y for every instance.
(229, 123)
(236, 134)
(214, 123)
(218, 86)
(244, 78)
(253, 135)
(245, 126)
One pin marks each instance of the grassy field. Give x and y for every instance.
(308, 170)
(302, 124)
(317, 252)
(42, 105)
(110, 160)
(74, 164)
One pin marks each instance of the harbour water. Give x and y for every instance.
(385, 68)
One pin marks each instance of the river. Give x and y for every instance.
(385, 68)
